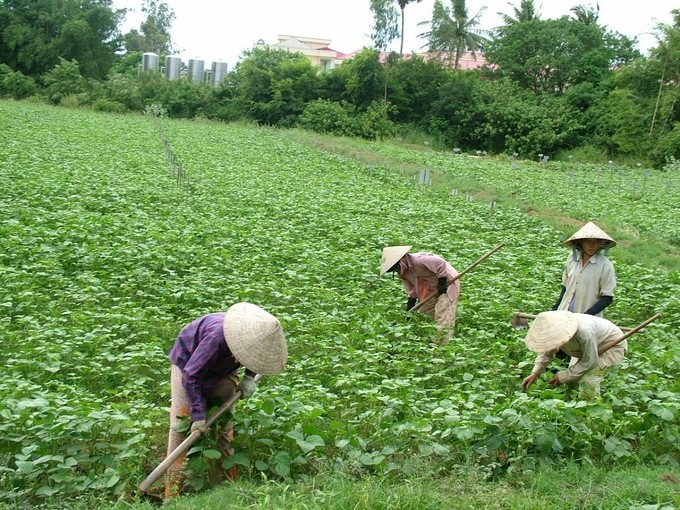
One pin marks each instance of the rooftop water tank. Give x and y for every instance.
(196, 69)
(218, 73)
(173, 66)
(150, 62)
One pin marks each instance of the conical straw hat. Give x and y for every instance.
(391, 255)
(551, 330)
(255, 338)
(591, 231)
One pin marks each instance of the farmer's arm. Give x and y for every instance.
(204, 356)
(587, 341)
(541, 363)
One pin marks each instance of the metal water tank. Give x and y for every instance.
(196, 69)
(173, 67)
(218, 73)
(150, 61)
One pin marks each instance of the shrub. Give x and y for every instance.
(15, 84)
(325, 116)
(106, 105)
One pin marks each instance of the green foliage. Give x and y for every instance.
(412, 85)
(325, 116)
(274, 86)
(620, 124)
(103, 258)
(385, 23)
(14, 84)
(154, 32)
(35, 34)
(64, 80)
(374, 123)
(551, 55)
(453, 33)
(360, 80)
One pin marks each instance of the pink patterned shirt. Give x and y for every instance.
(420, 272)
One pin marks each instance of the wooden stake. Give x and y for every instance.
(186, 444)
(466, 270)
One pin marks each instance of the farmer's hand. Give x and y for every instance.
(529, 380)
(519, 322)
(441, 285)
(555, 381)
(247, 386)
(199, 425)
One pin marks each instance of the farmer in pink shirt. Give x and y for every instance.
(422, 275)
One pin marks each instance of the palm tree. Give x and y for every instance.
(452, 33)
(402, 6)
(526, 12)
(586, 15)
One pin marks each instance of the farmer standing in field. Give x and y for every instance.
(580, 336)
(205, 358)
(588, 280)
(422, 275)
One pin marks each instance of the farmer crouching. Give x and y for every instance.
(424, 274)
(205, 358)
(580, 336)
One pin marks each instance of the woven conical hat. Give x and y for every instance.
(255, 338)
(391, 255)
(551, 330)
(591, 231)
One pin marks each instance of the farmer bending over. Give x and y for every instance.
(422, 275)
(205, 358)
(580, 336)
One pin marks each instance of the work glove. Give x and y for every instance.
(410, 303)
(247, 386)
(199, 425)
(441, 285)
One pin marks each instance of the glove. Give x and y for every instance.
(199, 425)
(247, 386)
(441, 285)
(410, 303)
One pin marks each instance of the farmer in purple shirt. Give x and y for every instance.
(205, 359)
(422, 275)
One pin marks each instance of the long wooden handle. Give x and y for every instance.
(613, 343)
(186, 444)
(521, 315)
(466, 270)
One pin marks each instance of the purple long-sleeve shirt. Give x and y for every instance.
(201, 353)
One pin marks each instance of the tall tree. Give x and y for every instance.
(402, 6)
(553, 54)
(154, 32)
(385, 27)
(35, 34)
(525, 12)
(586, 14)
(452, 33)
(385, 23)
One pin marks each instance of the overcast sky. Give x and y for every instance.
(221, 29)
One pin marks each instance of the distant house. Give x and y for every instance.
(318, 51)
(320, 54)
(466, 61)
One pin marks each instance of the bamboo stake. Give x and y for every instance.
(466, 270)
(616, 342)
(521, 315)
(186, 444)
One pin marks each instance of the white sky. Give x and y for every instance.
(221, 29)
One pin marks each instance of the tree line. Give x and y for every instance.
(558, 87)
